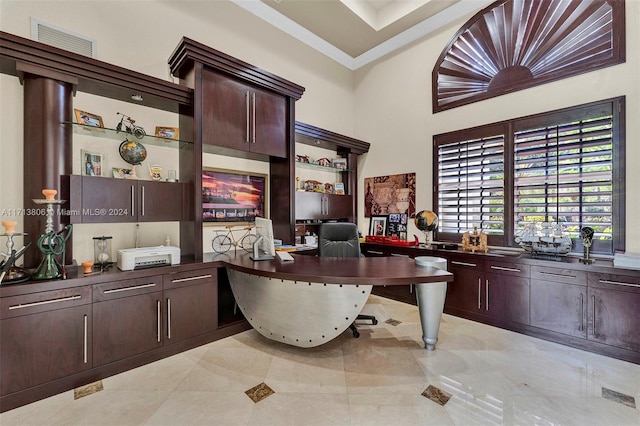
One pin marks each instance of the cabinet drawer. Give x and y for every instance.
(508, 268)
(367, 252)
(615, 281)
(464, 264)
(181, 279)
(45, 301)
(126, 288)
(559, 275)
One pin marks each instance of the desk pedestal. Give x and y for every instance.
(430, 305)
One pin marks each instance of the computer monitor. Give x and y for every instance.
(264, 248)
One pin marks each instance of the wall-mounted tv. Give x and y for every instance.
(232, 196)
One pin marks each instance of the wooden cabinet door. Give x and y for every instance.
(338, 206)
(159, 201)
(43, 337)
(559, 300)
(107, 200)
(319, 206)
(507, 297)
(464, 292)
(309, 205)
(191, 304)
(559, 307)
(127, 318)
(225, 111)
(269, 121)
(614, 318)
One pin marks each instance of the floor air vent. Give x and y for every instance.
(63, 39)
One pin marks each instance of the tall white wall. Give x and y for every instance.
(393, 112)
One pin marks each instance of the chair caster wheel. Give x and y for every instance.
(356, 333)
(375, 321)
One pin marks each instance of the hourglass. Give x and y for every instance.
(102, 251)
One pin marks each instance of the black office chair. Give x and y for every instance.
(340, 239)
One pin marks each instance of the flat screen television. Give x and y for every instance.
(232, 196)
(264, 248)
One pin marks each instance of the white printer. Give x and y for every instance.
(148, 257)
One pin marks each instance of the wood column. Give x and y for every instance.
(48, 145)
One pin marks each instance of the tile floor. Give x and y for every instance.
(482, 375)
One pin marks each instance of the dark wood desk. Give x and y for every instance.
(311, 300)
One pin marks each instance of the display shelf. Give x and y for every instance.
(320, 167)
(113, 134)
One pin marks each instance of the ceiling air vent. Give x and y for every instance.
(63, 39)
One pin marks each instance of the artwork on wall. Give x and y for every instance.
(384, 195)
(232, 196)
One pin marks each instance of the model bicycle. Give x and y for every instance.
(223, 240)
(129, 126)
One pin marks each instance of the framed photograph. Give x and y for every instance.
(339, 187)
(233, 196)
(340, 163)
(88, 119)
(91, 163)
(119, 173)
(397, 225)
(167, 132)
(378, 225)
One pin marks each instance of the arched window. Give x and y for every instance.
(517, 44)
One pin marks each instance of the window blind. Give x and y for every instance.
(564, 173)
(471, 185)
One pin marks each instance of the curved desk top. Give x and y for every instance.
(334, 270)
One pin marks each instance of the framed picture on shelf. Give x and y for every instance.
(91, 163)
(339, 188)
(88, 119)
(378, 225)
(340, 163)
(119, 173)
(233, 196)
(167, 132)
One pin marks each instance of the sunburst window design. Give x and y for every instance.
(516, 44)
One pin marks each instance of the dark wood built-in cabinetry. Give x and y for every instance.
(106, 200)
(243, 116)
(591, 307)
(89, 328)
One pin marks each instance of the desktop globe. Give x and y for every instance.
(132, 152)
(426, 221)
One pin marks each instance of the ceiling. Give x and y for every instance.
(357, 32)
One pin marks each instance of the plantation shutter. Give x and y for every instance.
(471, 185)
(564, 173)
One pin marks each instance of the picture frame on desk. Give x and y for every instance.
(378, 225)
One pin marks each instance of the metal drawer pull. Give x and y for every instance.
(169, 318)
(85, 340)
(487, 294)
(473, 265)
(159, 319)
(45, 302)
(479, 292)
(199, 277)
(581, 312)
(593, 298)
(558, 275)
(135, 287)
(500, 268)
(618, 283)
(399, 255)
(246, 100)
(374, 252)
